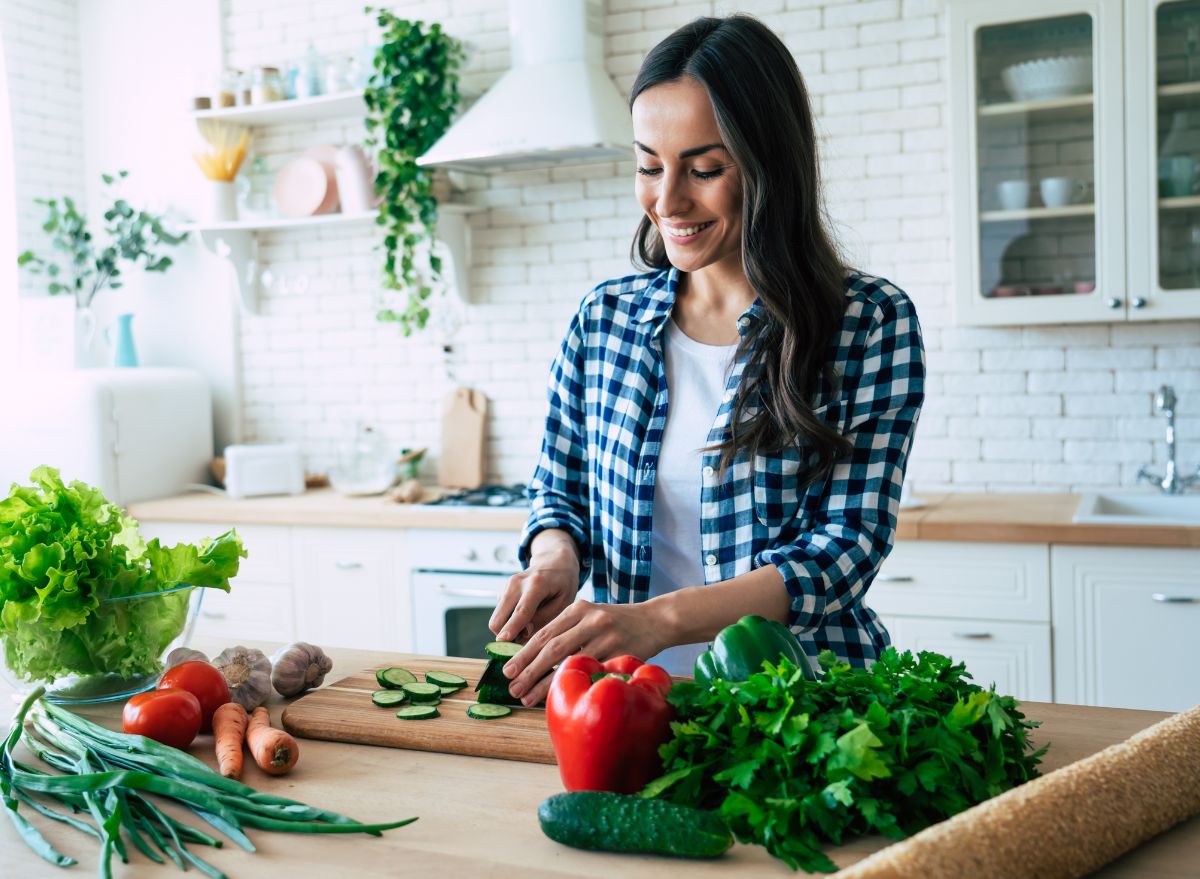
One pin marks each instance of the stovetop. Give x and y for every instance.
(486, 496)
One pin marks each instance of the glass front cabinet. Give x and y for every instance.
(1076, 146)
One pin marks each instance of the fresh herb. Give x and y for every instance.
(106, 784)
(65, 553)
(793, 764)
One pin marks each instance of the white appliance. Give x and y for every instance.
(556, 105)
(253, 470)
(135, 434)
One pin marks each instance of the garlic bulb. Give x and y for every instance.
(248, 673)
(299, 667)
(183, 654)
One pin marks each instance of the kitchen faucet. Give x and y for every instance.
(1171, 482)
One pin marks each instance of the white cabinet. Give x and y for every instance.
(1125, 624)
(353, 585)
(261, 601)
(985, 604)
(1076, 135)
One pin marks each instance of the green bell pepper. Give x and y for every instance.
(739, 650)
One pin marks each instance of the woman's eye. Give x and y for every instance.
(709, 175)
(650, 172)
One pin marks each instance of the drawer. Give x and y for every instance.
(250, 610)
(268, 547)
(446, 550)
(1013, 656)
(995, 581)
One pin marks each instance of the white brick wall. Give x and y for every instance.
(1009, 409)
(41, 47)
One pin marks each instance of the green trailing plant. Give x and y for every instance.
(79, 266)
(411, 99)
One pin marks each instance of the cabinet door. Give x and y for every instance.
(1013, 656)
(1037, 122)
(353, 587)
(260, 603)
(1162, 56)
(1125, 626)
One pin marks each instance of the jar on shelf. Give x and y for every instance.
(255, 191)
(266, 86)
(228, 85)
(310, 74)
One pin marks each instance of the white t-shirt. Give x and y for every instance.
(696, 375)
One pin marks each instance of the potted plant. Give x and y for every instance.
(80, 267)
(411, 98)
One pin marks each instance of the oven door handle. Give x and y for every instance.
(467, 593)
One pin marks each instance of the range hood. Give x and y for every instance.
(555, 106)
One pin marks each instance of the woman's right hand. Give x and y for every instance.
(538, 594)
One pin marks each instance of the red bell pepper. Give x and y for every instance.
(606, 729)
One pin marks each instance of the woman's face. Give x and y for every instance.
(686, 180)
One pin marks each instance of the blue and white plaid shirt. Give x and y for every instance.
(608, 407)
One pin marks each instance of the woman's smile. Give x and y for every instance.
(686, 234)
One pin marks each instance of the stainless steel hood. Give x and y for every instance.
(556, 105)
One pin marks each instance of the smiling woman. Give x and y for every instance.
(728, 431)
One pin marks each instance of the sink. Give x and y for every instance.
(1138, 509)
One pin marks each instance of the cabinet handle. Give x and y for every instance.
(1112, 302)
(1175, 599)
(467, 593)
(973, 636)
(502, 554)
(212, 616)
(894, 578)
(1138, 302)
(470, 556)
(344, 565)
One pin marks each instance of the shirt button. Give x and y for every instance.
(710, 559)
(743, 322)
(708, 471)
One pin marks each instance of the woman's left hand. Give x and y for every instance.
(598, 630)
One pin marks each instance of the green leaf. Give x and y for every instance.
(856, 754)
(738, 775)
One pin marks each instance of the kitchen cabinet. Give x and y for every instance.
(1125, 620)
(1076, 132)
(985, 604)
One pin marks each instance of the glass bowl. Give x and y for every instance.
(98, 648)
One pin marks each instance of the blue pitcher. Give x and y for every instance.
(123, 352)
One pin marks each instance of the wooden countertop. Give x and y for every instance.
(967, 516)
(478, 816)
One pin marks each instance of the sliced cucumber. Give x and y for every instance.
(493, 685)
(394, 678)
(389, 698)
(450, 691)
(502, 649)
(417, 712)
(445, 679)
(481, 711)
(419, 692)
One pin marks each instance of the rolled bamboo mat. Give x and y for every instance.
(1065, 824)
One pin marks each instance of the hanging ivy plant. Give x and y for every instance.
(411, 98)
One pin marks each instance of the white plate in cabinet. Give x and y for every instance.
(1126, 622)
(250, 610)
(353, 588)
(1014, 656)
(999, 581)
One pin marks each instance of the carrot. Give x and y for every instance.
(274, 750)
(229, 732)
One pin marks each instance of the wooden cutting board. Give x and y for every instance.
(344, 712)
(464, 424)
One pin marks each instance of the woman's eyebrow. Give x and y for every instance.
(686, 154)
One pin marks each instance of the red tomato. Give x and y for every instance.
(170, 716)
(202, 680)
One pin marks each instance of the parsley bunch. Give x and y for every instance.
(793, 764)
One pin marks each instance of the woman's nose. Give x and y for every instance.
(672, 196)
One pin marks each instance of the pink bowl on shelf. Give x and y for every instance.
(1085, 286)
(1004, 291)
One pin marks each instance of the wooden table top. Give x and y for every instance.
(478, 815)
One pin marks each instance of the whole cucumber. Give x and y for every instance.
(610, 822)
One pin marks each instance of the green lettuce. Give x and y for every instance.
(65, 553)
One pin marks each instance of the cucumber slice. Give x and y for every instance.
(482, 711)
(389, 698)
(420, 692)
(446, 679)
(417, 712)
(450, 691)
(394, 678)
(502, 649)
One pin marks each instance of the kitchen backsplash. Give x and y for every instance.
(1039, 408)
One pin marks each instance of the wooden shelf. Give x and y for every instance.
(1018, 108)
(281, 223)
(283, 112)
(1179, 202)
(1074, 210)
(1179, 90)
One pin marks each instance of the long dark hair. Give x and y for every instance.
(766, 123)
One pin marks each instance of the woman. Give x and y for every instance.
(727, 432)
